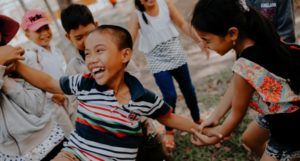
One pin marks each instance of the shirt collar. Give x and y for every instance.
(136, 89)
(39, 48)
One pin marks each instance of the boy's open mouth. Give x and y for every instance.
(98, 70)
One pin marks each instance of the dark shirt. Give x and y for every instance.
(280, 13)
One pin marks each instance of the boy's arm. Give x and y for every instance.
(38, 78)
(178, 122)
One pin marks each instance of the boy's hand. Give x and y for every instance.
(9, 54)
(59, 99)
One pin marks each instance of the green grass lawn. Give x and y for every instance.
(209, 91)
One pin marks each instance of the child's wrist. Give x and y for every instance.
(170, 132)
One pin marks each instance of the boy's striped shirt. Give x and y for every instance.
(106, 130)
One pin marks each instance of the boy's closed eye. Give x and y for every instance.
(78, 38)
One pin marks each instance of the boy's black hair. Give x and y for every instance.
(119, 34)
(141, 8)
(217, 16)
(75, 15)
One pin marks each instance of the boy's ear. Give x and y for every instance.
(126, 55)
(67, 36)
(233, 33)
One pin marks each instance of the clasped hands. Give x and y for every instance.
(208, 133)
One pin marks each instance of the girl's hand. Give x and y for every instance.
(199, 139)
(9, 54)
(210, 122)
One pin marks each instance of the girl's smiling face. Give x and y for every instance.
(217, 43)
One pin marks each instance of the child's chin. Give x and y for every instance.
(100, 82)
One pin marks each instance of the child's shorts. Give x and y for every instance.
(262, 122)
(282, 154)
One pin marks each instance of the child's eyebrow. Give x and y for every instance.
(99, 45)
(78, 36)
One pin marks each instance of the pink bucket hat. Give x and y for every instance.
(8, 28)
(34, 19)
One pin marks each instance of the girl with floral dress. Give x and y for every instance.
(266, 76)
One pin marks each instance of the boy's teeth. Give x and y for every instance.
(95, 70)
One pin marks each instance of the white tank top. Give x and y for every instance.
(159, 28)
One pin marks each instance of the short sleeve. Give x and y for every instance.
(70, 84)
(156, 106)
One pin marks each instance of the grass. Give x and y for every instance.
(209, 91)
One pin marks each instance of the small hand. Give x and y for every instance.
(9, 54)
(59, 99)
(210, 122)
(200, 139)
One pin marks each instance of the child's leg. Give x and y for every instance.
(166, 85)
(266, 157)
(182, 76)
(65, 156)
(255, 137)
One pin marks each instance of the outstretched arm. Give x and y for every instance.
(38, 78)
(178, 122)
(179, 20)
(241, 95)
(185, 27)
(133, 26)
(222, 108)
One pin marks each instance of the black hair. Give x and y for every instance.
(142, 9)
(217, 16)
(75, 15)
(120, 34)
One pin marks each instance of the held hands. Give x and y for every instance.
(207, 136)
(9, 54)
(59, 99)
(208, 133)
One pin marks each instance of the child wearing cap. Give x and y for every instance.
(27, 131)
(43, 56)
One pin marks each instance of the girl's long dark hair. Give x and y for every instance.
(217, 16)
(141, 8)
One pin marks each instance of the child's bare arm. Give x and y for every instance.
(133, 26)
(38, 78)
(9, 54)
(178, 122)
(242, 93)
(222, 108)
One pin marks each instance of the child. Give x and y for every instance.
(27, 130)
(159, 41)
(281, 14)
(78, 21)
(111, 101)
(46, 58)
(266, 77)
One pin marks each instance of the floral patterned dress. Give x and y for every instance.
(272, 93)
